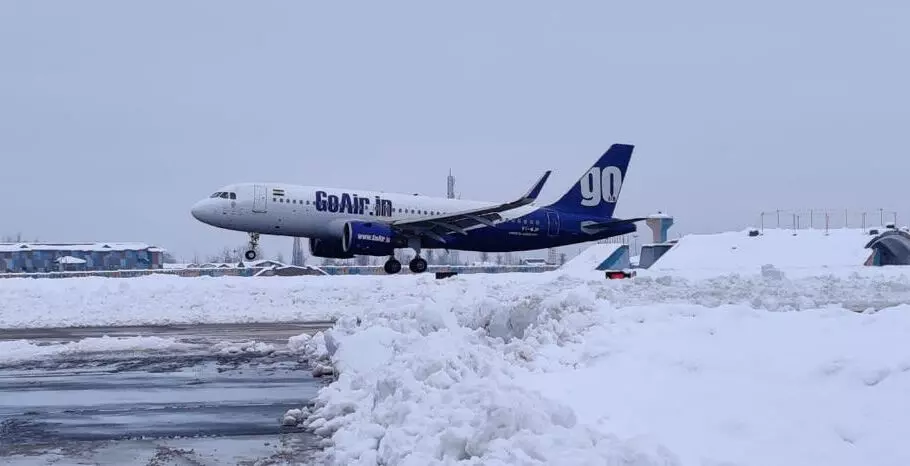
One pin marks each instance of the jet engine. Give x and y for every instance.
(367, 238)
(329, 249)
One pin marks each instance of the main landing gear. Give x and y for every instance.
(392, 266)
(254, 243)
(417, 265)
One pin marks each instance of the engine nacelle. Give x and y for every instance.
(367, 238)
(328, 249)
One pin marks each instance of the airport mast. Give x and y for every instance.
(450, 193)
(297, 254)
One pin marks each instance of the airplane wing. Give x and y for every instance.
(458, 222)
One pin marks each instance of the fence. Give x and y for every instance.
(796, 219)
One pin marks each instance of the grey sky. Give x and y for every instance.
(116, 117)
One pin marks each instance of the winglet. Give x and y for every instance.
(531, 195)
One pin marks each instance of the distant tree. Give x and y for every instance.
(279, 257)
(484, 256)
(168, 258)
(431, 257)
(499, 259)
(362, 260)
(562, 258)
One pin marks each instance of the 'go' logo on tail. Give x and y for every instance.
(597, 186)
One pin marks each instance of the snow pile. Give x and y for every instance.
(159, 300)
(256, 348)
(785, 249)
(409, 397)
(315, 350)
(19, 351)
(562, 370)
(589, 259)
(738, 386)
(166, 300)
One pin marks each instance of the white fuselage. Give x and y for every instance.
(314, 212)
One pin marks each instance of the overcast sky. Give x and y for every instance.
(115, 117)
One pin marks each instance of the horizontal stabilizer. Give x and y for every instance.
(615, 222)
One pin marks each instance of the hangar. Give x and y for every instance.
(54, 257)
(891, 247)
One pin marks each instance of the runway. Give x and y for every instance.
(270, 332)
(218, 401)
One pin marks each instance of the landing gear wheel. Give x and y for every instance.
(254, 243)
(418, 265)
(392, 266)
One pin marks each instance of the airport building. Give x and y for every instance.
(56, 257)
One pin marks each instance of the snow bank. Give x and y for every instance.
(587, 260)
(563, 370)
(163, 300)
(732, 385)
(19, 351)
(737, 251)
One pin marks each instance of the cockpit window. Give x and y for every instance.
(233, 195)
(224, 195)
(215, 195)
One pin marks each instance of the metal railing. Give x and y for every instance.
(798, 219)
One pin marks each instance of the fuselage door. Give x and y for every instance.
(552, 223)
(260, 198)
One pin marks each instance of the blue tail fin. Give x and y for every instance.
(597, 191)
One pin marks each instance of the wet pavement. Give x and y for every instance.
(267, 332)
(195, 405)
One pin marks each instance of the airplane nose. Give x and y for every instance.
(198, 211)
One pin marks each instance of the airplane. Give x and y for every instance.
(343, 223)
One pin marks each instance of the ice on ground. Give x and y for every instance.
(19, 351)
(785, 249)
(558, 369)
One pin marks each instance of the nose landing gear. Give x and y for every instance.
(254, 244)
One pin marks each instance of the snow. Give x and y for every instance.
(737, 370)
(19, 351)
(70, 260)
(722, 253)
(762, 362)
(587, 260)
(735, 385)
